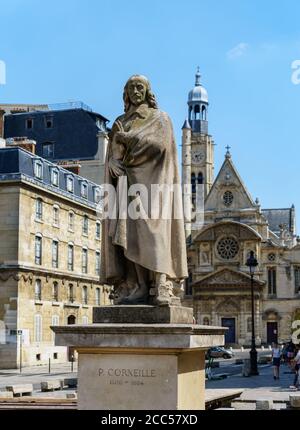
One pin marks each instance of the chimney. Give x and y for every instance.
(21, 142)
(72, 166)
(2, 112)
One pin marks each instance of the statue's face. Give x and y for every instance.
(137, 90)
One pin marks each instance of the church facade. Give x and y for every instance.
(219, 284)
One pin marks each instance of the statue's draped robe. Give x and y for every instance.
(156, 244)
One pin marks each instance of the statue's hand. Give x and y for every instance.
(116, 167)
(122, 137)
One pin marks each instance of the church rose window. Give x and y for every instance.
(228, 248)
(228, 198)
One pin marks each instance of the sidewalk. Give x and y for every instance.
(36, 374)
(262, 386)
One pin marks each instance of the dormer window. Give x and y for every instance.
(84, 190)
(38, 169)
(97, 194)
(29, 123)
(55, 177)
(70, 184)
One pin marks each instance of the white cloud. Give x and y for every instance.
(237, 51)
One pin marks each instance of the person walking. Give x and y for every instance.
(296, 362)
(276, 355)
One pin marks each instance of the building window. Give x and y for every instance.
(56, 216)
(29, 123)
(54, 322)
(84, 190)
(85, 225)
(38, 250)
(38, 169)
(55, 292)
(38, 357)
(84, 260)
(38, 328)
(71, 221)
(249, 325)
(205, 321)
(49, 122)
(48, 150)
(297, 280)
(200, 178)
(272, 257)
(71, 293)
(70, 184)
(97, 194)
(55, 254)
(85, 295)
(39, 209)
(97, 296)
(38, 290)
(70, 257)
(97, 263)
(85, 320)
(55, 355)
(272, 281)
(71, 320)
(188, 285)
(98, 230)
(55, 177)
(193, 180)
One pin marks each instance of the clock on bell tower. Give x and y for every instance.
(197, 148)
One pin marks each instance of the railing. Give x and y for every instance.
(70, 105)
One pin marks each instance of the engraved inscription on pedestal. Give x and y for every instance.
(127, 382)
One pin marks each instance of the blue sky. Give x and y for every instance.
(86, 49)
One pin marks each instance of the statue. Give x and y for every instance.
(143, 258)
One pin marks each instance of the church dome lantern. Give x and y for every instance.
(198, 106)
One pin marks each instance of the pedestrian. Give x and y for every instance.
(276, 355)
(296, 362)
(290, 352)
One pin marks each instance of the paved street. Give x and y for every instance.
(255, 387)
(36, 374)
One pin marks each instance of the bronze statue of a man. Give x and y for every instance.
(143, 257)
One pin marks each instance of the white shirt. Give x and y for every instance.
(276, 352)
(297, 358)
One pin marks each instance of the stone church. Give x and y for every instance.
(219, 284)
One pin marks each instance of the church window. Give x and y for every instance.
(203, 113)
(197, 112)
(227, 248)
(200, 178)
(188, 285)
(272, 281)
(272, 257)
(297, 280)
(228, 198)
(193, 180)
(205, 321)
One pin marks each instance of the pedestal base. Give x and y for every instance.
(141, 366)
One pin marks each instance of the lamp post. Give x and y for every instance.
(252, 263)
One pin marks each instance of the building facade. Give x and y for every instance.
(219, 285)
(49, 256)
(69, 134)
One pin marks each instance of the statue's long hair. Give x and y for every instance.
(150, 97)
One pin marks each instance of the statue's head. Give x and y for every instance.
(136, 91)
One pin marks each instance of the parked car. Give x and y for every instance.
(218, 352)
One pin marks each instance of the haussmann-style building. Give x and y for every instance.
(49, 255)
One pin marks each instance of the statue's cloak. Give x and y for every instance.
(156, 244)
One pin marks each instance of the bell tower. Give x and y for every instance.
(197, 148)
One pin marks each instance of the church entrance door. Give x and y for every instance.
(272, 332)
(230, 333)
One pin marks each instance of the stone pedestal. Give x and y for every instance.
(140, 366)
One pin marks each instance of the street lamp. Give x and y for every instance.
(252, 263)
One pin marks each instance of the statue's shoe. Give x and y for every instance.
(135, 299)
